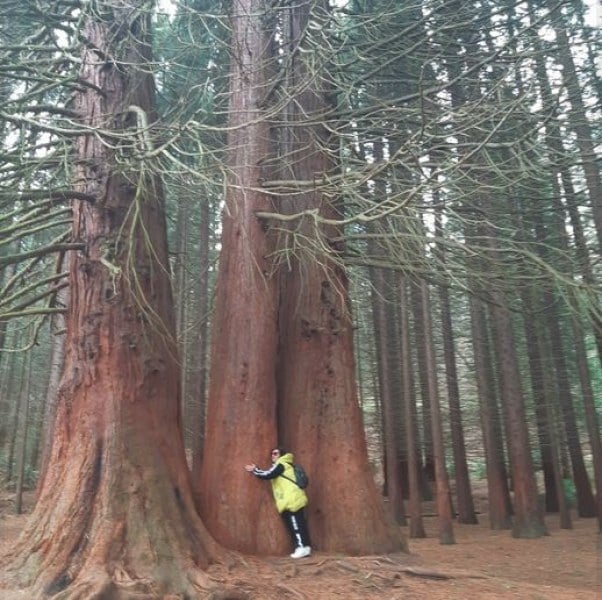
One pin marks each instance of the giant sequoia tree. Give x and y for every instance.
(304, 396)
(115, 507)
(241, 415)
(317, 397)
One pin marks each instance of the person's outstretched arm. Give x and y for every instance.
(275, 470)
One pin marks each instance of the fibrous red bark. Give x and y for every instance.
(115, 508)
(318, 410)
(241, 413)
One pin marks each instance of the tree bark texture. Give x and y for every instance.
(409, 404)
(241, 412)
(592, 420)
(198, 409)
(578, 119)
(318, 408)
(528, 519)
(466, 510)
(393, 483)
(115, 511)
(497, 486)
(443, 497)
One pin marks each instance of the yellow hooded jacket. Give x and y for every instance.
(287, 494)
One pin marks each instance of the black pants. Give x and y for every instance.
(297, 527)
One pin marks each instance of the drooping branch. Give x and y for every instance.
(42, 251)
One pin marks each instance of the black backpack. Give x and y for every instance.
(301, 478)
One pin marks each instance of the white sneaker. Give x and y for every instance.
(301, 552)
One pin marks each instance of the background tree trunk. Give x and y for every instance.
(466, 511)
(393, 484)
(23, 435)
(57, 361)
(443, 493)
(578, 119)
(497, 485)
(409, 401)
(528, 520)
(199, 407)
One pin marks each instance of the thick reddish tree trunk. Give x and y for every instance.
(241, 412)
(115, 509)
(319, 413)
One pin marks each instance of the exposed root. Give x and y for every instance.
(290, 590)
(122, 586)
(97, 587)
(430, 574)
(228, 594)
(346, 566)
(201, 580)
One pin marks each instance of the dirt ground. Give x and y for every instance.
(482, 565)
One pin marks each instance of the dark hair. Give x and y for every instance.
(281, 451)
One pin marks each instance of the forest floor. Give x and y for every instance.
(482, 565)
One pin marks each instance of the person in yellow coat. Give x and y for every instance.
(289, 497)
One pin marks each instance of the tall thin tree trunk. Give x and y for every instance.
(544, 400)
(539, 393)
(198, 409)
(409, 402)
(559, 167)
(384, 333)
(419, 340)
(181, 299)
(392, 472)
(443, 499)
(7, 370)
(577, 118)
(586, 504)
(57, 362)
(16, 391)
(23, 435)
(528, 519)
(498, 495)
(466, 510)
(592, 421)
